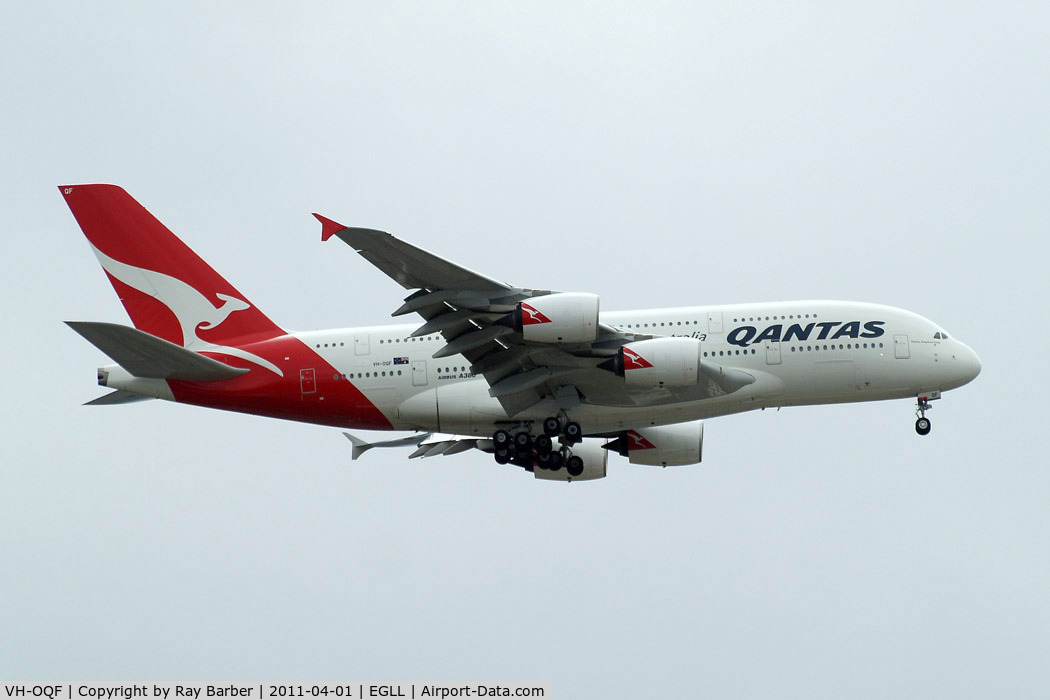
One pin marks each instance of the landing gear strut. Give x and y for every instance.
(922, 424)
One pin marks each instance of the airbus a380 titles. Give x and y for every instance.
(537, 378)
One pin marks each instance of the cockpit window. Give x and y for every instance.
(940, 336)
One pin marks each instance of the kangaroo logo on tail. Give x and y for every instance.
(191, 308)
(230, 304)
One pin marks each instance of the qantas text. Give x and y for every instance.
(747, 335)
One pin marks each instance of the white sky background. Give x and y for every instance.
(671, 155)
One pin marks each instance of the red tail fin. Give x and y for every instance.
(165, 287)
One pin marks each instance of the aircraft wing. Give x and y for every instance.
(471, 312)
(409, 266)
(426, 444)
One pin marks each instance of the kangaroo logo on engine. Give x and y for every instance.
(637, 442)
(749, 335)
(632, 360)
(530, 316)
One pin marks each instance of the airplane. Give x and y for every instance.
(542, 380)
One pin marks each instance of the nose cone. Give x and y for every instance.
(970, 364)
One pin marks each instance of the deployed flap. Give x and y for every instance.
(149, 357)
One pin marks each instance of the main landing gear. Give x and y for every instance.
(922, 424)
(522, 449)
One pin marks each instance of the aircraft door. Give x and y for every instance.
(308, 381)
(772, 352)
(714, 322)
(900, 347)
(419, 373)
(361, 344)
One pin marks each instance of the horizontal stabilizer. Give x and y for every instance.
(118, 396)
(149, 357)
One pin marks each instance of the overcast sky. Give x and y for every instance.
(671, 154)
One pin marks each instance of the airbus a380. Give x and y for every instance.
(542, 380)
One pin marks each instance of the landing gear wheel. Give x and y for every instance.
(551, 427)
(574, 465)
(522, 440)
(522, 460)
(501, 438)
(573, 432)
(544, 445)
(552, 461)
(922, 426)
(502, 456)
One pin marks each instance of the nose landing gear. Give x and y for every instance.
(922, 424)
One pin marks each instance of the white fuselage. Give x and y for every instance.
(799, 353)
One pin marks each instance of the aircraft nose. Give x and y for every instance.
(970, 362)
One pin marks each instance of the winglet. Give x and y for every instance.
(328, 227)
(360, 446)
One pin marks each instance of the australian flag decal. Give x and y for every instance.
(400, 360)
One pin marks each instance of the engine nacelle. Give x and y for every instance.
(658, 362)
(558, 318)
(595, 460)
(662, 446)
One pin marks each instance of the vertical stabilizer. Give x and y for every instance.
(166, 288)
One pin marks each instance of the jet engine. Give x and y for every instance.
(665, 445)
(595, 460)
(564, 317)
(658, 362)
